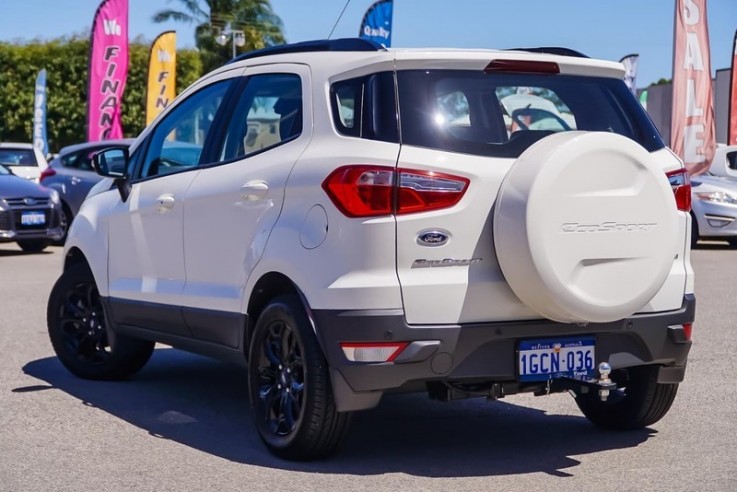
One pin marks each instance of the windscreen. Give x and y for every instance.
(502, 114)
(18, 157)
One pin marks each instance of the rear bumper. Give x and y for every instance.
(486, 351)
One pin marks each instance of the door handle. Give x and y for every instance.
(165, 203)
(255, 190)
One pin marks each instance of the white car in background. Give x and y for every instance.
(23, 159)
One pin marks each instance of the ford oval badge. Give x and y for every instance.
(433, 238)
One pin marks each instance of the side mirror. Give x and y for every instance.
(113, 163)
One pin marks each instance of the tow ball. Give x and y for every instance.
(582, 385)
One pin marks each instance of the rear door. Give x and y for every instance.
(233, 203)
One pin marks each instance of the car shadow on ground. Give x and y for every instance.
(19, 252)
(203, 404)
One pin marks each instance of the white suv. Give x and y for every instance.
(346, 220)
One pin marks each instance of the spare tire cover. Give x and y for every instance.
(585, 227)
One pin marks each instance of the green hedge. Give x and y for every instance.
(66, 63)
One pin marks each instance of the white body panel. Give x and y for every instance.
(146, 251)
(354, 266)
(226, 226)
(720, 165)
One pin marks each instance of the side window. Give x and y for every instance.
(82, 159)
(366, 107)
(347, 102)
(71, 160)
(177, 142)
(268, 113)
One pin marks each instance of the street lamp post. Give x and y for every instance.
(238, 38)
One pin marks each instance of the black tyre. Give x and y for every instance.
(65, 221)
(289, 385)
(78, 332)
(645, 401)
(694, 231)
(33, 245)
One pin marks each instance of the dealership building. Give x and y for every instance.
(660, 105)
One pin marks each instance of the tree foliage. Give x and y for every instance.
(66, 62)
(261, 27)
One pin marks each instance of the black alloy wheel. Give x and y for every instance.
(289, 385)
(82, 324)
(281, 379)
(79, 333)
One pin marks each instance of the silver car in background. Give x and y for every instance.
(713, 208)
(71, 174)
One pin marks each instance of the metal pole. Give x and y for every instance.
(232, 39)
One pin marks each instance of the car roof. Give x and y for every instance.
(350, 53)
(16, 145)
(100, 143)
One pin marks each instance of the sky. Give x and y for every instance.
(607, 29)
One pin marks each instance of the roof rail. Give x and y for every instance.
(553, 50)
(343, 44)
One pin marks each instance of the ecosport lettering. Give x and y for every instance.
(608, 227)
(448, 262)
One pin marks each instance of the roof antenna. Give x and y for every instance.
(339, 17)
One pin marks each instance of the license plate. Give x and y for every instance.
(540, 360)
(32, 218)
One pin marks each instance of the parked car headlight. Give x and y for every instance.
(54, 195)
(3, 205)
(717, 197)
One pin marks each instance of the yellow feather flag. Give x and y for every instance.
(162, 74)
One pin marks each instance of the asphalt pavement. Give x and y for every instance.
(183, 423)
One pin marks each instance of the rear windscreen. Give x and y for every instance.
(501, 115)
(18, 157)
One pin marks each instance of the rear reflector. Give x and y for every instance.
(687, 328)
(372, 351)
(522, 66)
(370, 191)
(681, 185)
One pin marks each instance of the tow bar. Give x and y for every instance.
(583, 385)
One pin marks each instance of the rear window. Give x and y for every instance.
(501, 115)
(18, 157)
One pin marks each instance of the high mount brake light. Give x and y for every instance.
(371, 191)
(680, 182)
(522, 66)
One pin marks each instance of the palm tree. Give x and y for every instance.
(260, 25)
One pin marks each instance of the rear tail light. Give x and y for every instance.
(681, 185)
(369, 191)
(46, 173)
(372, 351)
(522, 66)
